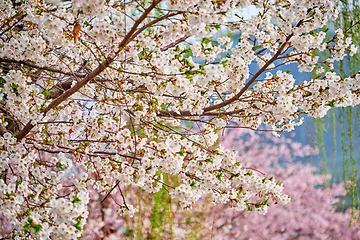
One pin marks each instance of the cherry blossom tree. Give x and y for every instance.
(309, 215)
(109, 94)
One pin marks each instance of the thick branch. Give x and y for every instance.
(251, 81)
(129, 36)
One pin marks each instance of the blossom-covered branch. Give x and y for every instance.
(97, 94)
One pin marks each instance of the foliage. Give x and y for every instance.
(344, 122)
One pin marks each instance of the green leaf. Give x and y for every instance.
(26, 228)
(59, 166)
(76, 199)
(77, 225)
(206, 40)
(224, 63)
(248, 173)
(219, 176)
(188, 51)
(181, 153)
(313, 32)
(30, 220)
(37, 228)
(256, 47)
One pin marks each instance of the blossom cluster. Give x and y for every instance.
(106, 95)
(310, 213)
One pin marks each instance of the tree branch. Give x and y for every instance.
(175, 43)
(129, 36)
(253, 79)
(50, 69)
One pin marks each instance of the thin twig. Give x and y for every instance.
(107, 195)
